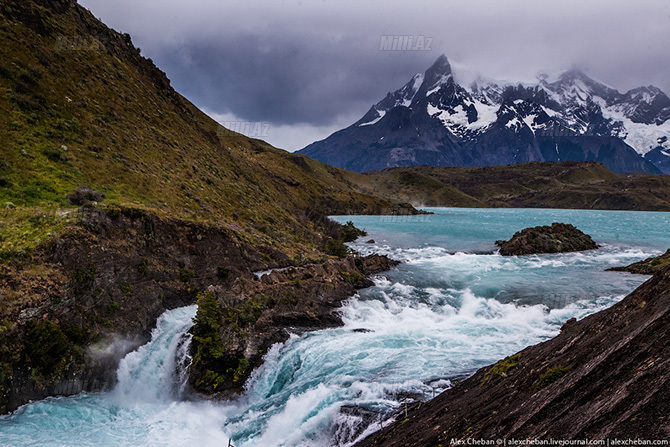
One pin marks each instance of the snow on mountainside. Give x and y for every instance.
(639, 117)
(402, 97)
(435, 120)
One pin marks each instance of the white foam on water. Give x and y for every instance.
(143, 374)
(299, 418)
(140, 411)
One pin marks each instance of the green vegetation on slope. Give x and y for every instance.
(501, 368)
(550, 376)
(81, 106)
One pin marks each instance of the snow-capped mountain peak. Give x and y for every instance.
(437, 75)
(560, 117)
(488, 91)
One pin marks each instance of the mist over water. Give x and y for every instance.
(452, 307)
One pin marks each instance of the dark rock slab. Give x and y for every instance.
(236, 325)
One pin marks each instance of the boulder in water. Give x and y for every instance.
(557, 238)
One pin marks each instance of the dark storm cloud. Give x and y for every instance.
(309, 67)
(281, 80)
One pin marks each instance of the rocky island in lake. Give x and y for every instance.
(557, 238)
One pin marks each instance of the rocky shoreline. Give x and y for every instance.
(647, 266)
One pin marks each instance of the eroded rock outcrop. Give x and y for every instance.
(236, 326)
(86, 298)
(557, 238)
(72, 311)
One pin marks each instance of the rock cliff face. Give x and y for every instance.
(72, 311)
(235, 326)
(606, 376)
(557, 238)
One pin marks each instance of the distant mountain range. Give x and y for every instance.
(433, 120)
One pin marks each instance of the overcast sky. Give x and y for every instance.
(310, 67)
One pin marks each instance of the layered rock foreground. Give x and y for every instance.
(86, 298)
(605, 376)
(557, 238)
(93, 294)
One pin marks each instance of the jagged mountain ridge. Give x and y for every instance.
(436, 121)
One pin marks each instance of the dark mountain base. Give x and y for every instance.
(659, 157)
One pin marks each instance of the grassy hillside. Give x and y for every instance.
(547, 185)
(81, 106)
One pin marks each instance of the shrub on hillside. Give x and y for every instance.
(84, 195)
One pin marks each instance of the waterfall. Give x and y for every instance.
(156, 370)
(447, 311)
(183, 362)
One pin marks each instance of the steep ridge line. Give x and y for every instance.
(434, 120)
